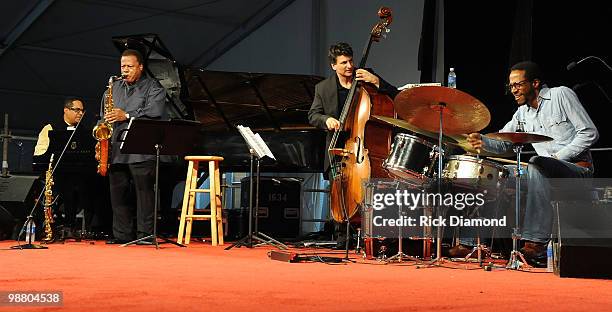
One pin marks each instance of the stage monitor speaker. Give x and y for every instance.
(17, 194)
(280, 204)
(7, 224)
(584, 247)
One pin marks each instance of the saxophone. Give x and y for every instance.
(48, 204)
(103, 131)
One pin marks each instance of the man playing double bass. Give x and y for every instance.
(330, 98)
(331, 93)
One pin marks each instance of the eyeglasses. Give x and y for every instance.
(516, 85)
(77, 110)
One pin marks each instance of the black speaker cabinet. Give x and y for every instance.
(280, 202)
(7, 223)
(17, 195)
(584, 246)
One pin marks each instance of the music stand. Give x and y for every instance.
(78, 161)
(258, 150)
(158, 137)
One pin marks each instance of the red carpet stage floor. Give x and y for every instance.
(99, 277)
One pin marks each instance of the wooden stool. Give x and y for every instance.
(191, 187)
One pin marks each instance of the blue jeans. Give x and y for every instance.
(538, 216)
(538, 220)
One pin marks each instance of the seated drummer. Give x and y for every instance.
(557, 113)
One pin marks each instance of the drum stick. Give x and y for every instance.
(508, 161)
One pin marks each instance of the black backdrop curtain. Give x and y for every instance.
(483, 39)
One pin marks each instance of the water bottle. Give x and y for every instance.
(452, 78)
(30, 233)
(549, 257)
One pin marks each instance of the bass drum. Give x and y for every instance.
(412, 159)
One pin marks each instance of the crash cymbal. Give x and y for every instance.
(461, 112)
(462, 142)
(519, 137)
(406, 125)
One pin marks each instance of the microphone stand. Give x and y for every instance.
(572, 65)
(30, 218)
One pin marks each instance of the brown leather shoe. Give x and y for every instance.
(535, 253)
(534, 250)
(460, 251)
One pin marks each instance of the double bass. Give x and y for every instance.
(351, 164)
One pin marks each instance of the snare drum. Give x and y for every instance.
(473, 172)
(411, 158)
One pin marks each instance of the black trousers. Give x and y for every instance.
(75, 191)
(129, 183)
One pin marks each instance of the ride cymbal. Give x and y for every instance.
(461, 112)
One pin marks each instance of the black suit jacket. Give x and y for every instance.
(325, 105)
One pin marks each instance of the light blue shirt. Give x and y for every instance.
(559, 115)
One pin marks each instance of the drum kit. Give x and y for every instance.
(448, 115)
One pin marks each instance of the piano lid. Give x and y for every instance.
(221, 100)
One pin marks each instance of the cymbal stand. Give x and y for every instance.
(400, 255)
(514, 263)
(481, 249)
(439, 259)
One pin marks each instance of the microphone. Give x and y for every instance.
(571, 65)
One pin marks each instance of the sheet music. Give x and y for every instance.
(414, 85)
(255, 142)
(125, 133)
(264, 146)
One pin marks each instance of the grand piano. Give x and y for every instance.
(273, 105)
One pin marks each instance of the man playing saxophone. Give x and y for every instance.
(135, 96)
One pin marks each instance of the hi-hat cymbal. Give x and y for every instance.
(519, 137)
(406, 125)
(461, 112)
